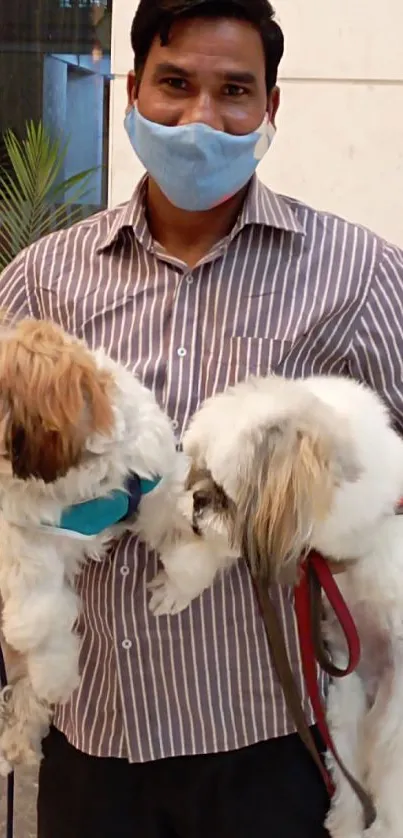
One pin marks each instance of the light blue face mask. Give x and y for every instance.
(195, 166)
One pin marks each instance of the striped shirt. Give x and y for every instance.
(289, 290)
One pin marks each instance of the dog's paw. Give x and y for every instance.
(20, 744)
(383, 827)
(345, 824)
(24, 722)
(5, 767)
(166, 598)
(6, 695)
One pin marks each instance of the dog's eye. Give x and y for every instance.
(201, 499)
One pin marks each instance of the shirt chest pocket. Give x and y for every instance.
(236, 358)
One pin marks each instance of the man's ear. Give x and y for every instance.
(273, 104)
(131, 89)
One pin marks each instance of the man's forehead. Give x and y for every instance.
(231, 47)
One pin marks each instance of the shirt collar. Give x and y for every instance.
(262, 206)
(131, 215)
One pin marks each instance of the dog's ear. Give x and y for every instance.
(286, 488)
(52, 398)
(39, 451)
(196, 475)
(47, 450)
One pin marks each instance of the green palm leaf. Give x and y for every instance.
(32, 198)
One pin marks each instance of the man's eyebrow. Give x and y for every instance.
(239, 77)
(168, 68)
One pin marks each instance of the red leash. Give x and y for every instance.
(315, 563)
(317, 577)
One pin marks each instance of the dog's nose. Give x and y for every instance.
(201, 499)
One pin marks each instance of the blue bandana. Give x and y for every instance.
(92, 517)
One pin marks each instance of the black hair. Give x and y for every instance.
(156, 17)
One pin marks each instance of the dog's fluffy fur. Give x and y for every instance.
(73, 425)
(280, 467)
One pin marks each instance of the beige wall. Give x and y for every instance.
(339, 144)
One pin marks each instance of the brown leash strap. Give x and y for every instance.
(319, 654)
(284, 673)
(308, 602)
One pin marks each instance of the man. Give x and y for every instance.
(179, 728)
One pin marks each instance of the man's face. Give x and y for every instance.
(211, 71)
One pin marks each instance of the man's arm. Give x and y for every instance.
(15, 289)
(376, 353)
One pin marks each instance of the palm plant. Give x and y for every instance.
(33, 198)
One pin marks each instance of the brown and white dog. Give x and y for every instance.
(280, 467)
(73, 426)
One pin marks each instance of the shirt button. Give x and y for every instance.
(127, 644)
(124, 570)
(189, 278)
(175, 424)
(181, 352)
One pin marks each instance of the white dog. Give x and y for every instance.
(283, 466)
(74, 426)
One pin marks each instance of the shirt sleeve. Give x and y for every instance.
(376, 355)
(15, 293)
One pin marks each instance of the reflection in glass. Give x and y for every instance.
(55, 66)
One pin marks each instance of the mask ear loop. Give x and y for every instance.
(267, 132)
(271, 131)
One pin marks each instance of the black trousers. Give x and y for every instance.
(269, 790)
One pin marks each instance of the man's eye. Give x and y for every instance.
(175, 83)
(235, 90)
